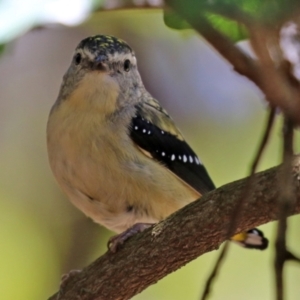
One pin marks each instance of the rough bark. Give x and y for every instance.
(194, 230)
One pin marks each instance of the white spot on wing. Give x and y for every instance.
(144, 130)
(163, 154)
(173, 157)
(184, 158)
(197, 160)
(191, 159)
(136, 128)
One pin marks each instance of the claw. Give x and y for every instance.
(116, 241)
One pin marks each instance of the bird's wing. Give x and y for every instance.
(155, 133)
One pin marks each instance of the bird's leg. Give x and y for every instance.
(115, 241)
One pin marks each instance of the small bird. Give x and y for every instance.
(115, 151)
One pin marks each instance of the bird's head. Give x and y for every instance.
(105, 54)
(102, 65)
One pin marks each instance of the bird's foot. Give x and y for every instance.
(117, 240)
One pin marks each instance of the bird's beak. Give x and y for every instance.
(100, 63)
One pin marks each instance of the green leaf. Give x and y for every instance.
(231, 29)
(174, 21)
(2, 47)
(228, 27)
(271, 12)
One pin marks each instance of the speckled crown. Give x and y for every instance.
(104, 44)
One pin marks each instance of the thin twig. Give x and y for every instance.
(215, 271)
(285, 206)
(264, 140)
(236, 214)
(290, 256)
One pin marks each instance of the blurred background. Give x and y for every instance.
(221, 114)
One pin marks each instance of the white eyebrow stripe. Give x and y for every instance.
(86, 52)
(119, 56)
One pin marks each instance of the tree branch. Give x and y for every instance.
(198, 228)
(264, 72)
(285, 204)
(239, 208)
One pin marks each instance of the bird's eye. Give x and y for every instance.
(127, 65)
(77, 59)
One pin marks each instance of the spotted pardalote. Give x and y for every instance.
(115, 151)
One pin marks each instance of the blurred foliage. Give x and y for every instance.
(220, 12)
(174, 21)
(16, 20)
(24, 244)
(2, 47)
(221, 116)
(232, 29)
(38, 13)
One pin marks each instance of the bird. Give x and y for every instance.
(115, 152)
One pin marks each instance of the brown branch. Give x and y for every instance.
(291, 257)
(239, 208)
(198, 228)
(286, 201)
(241, 62)
(275, 84)
(276, 80)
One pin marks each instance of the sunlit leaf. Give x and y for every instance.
(219, 13)
(228, 27)
(174, 21)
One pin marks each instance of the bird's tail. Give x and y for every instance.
(252, 239)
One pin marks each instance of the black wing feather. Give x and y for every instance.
(172, 152)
